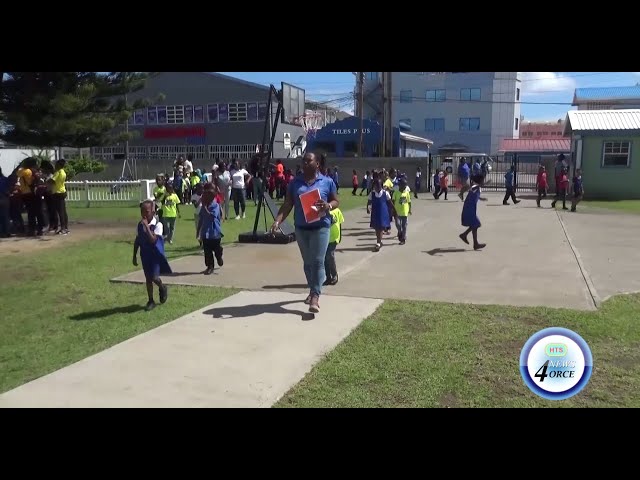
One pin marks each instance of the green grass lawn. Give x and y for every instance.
(422, 354)
(626, 206)
(60, 306)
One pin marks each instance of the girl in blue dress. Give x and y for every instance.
(381, 209)
(151, 245)
(470, 217)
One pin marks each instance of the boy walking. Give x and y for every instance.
(402, 204)
(335, 236)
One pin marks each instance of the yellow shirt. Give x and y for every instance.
(195, 180)
(170, 206)
(25, 177)
(59, 177)
(402, 202)
(388, 184)
(335, 232)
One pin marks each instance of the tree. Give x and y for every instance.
(68, 109)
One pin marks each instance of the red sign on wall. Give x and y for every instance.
(178, 132)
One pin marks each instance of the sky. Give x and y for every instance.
(545, 95)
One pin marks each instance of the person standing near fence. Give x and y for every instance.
(5, 215)
(27, 176)
(541, 184)
(464, 177)
(418, 181)
(510, 187)
(59, 194)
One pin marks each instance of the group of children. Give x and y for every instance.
(562, 187)
(390, 198)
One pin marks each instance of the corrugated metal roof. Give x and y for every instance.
(558, 145)
(414, 138)
(581, 120)
(607, 93)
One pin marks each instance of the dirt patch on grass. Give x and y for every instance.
(449, 400)
(80, 232)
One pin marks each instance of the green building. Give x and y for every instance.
(606, 145)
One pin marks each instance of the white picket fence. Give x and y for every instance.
(123, 192)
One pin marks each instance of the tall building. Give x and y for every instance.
(607, 98)
(459, 111)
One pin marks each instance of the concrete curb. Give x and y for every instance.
(597, 301)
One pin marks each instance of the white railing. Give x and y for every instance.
(87, 192)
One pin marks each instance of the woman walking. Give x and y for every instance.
(312, 220)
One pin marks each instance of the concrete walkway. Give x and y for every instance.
(245, 351)
(528, 261)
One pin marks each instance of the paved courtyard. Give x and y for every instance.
(528, 261)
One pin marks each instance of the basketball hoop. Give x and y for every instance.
(310, 123)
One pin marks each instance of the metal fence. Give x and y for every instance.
(526, 173)
(115, 192)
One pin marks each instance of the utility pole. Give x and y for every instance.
(361, 110)
(383, 83)
(388, 132)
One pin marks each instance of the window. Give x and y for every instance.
(252, 112)
(372, 75)
(212, 112)
(472, 94)
(175, 114)
(138, 117)
(436, 95)
(152, 115)
(434, 124)
(406, 96)
(517, 94)
(237, 112)
(405, 120)
(470, 123)
(517, 123)
(616, 154)
(162, 115)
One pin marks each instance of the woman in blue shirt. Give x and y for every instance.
(312, 237)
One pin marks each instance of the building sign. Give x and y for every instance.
(179, 132)
(350, 131)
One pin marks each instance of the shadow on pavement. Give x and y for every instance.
(259, 309)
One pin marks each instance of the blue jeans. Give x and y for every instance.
(401, 225)
(313, 248)
(330, 268)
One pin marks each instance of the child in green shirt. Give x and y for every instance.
(170, 211)
(335, 235)
(402, 203)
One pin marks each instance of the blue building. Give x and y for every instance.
(341, 138)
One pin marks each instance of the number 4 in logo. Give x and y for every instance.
(542, 375)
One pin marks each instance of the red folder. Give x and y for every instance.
(308, 201)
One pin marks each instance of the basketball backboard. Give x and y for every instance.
(293, 100)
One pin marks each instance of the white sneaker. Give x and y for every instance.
(237, 217)
(244, 215)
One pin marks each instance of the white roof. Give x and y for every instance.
(590, 120)
(413, 138)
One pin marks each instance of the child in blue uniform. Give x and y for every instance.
(151, 245)
(470, 217)
(209, 230)
(381, 209)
